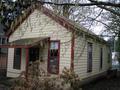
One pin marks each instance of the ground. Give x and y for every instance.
(101, 84)
(104, 84)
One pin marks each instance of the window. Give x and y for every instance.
(89, 57)
(54, 57)
(101, 58)
(3, 40)
(33, 54)
(0, 40)
(17, 58)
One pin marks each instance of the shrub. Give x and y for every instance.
(37, 79)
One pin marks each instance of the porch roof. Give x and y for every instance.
(24, 43)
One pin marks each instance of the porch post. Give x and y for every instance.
(27, 61)
(48, 56)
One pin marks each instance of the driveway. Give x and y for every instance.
(104, 84)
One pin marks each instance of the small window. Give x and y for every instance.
(3, 40)
(17, 58)
(101, 58)
(0, 40)
(89, 57)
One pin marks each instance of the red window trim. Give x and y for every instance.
(49, 41)
(20, 58)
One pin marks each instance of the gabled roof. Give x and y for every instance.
(68, 24)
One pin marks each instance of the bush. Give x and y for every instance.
(37, 79)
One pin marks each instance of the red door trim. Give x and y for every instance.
(49, 41)
(72, 51)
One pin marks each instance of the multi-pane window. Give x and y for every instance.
(89, 57)
(54, 57)
(17, 58)
(101, 58)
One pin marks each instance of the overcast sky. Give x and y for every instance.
(95, 28)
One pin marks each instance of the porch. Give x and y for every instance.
(23, 52)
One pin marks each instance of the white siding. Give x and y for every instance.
(43, 55)
(14, 72)
(80, 57)
(39, 25)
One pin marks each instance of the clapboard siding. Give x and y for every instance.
(13, 72)
(80, 57)
(39, 25)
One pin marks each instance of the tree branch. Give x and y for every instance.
(84, 4)
(99, 4)
(110, 10)
(104, 7)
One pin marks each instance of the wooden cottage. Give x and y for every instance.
(40, 34)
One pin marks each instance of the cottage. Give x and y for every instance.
(40, 34)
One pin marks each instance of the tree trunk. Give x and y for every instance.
(66, 12)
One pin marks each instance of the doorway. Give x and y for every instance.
(33, 54)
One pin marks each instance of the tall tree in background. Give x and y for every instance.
(84, 12)
(114, 27)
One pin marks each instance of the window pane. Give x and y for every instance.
(54, 45)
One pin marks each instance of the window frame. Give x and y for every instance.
(14, 63)
(89, 60)
(57, 57)
(101, 57)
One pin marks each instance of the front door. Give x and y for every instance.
(53, 63)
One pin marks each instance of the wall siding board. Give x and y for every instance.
(80, 60)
